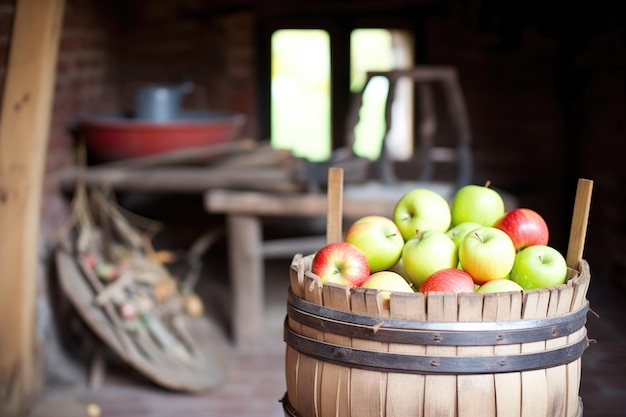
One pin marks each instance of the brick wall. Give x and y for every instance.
(173, 41)
(514, 113)
(546, 103)
(87, 80)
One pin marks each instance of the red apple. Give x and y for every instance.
(448, 280)
(341, 263)
(526, 227)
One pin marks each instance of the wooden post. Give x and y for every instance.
(24, 130)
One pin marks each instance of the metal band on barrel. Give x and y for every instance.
(406, 363)
(431, 332)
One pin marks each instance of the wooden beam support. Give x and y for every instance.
(24, 131)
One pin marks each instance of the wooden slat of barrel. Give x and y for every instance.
(560, 302)
(292, 357)
(366, 387)
(405, 392)
(508, 385)
(534, 389)
(335, 389)
(441, 390)
(476, 392)
(309, 375)
(574, 368)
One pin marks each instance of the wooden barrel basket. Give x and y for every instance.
(351, 354)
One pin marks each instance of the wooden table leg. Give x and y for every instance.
(245, 242)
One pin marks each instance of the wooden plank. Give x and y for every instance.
(334, 209)
(279, 248)
(24, 130)
(183, 179)
(580, 217)
(246, 266)
(295, 204)
(261, 155)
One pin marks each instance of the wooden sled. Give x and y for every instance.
(133, 305)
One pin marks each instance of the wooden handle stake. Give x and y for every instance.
(334, 232)
(578, 229)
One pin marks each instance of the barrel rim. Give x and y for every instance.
(385, 361)
(457, 333)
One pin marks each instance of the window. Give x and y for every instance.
(300, 92)
(382, 50)
(333, 50)
(304, 101)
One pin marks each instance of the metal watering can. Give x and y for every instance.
(160, 103)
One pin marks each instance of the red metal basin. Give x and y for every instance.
(112, 137)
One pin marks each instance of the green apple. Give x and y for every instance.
(458, 232)
(477, 204)
(539, 266)
(399, 269)
(387, 282)
(487, 253)
(499, 285)
(428, 252)
(421, 209)
(379, 239)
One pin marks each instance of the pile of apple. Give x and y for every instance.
(468, 245)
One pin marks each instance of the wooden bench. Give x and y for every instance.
(247, 248)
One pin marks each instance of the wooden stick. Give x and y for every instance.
(334, 231)
(183, 156)
(580, 217)
(27, 101)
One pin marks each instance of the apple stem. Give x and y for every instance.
(479, 238)
(487, 184)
